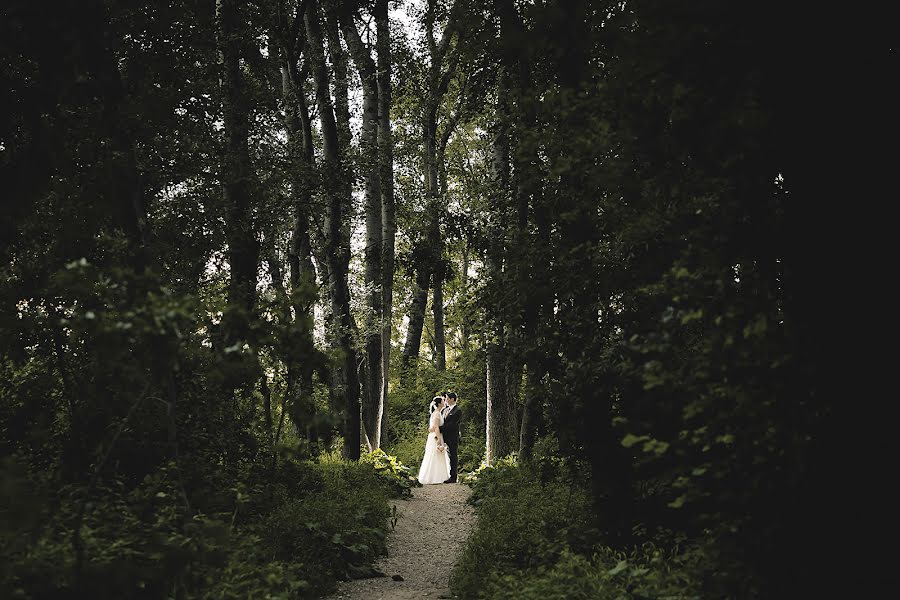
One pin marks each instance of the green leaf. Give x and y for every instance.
(678, 502)
(693, 315)
(621, 566)
(630, 439)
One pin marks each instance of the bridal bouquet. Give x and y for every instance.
(440, 447)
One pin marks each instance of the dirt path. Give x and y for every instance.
(430, 533)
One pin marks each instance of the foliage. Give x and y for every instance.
(335, 534)
(536, 539)
(323, 523)
(399, 478)
(607, 575)
(522, 524)
(408, 420)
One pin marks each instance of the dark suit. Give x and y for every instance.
(450, 431)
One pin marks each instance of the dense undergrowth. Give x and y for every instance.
(291, 536)
(537, 538)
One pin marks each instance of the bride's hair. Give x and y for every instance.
(435, 402)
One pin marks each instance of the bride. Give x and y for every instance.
(436, 462)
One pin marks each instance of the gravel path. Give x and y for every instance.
(430, 533)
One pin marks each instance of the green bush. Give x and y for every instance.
(398, 477)
(607, 575)
(536, 539)
(522, 524)
(409, 444)
(312, 524)
(333, 534)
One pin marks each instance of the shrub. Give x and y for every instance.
(607, 575)
(536, 539)
(334, 534)
(522, 524)
(313, 524)
(398, 477)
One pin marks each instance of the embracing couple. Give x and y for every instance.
(441, 448)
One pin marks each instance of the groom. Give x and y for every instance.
(450, 430)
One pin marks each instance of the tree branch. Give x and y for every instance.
(444, 44)
(448, 74)
(453, 121)
(297, 38)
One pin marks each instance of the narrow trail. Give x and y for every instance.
(430, 533)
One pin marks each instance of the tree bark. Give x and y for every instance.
(303, 358)
(464, 273)
(428, 251)
(372, 409)
(416, 319)
(437, 307)
(243, 248)
(532, 270)
(440, 268)
(335, 189)
(501, 427)
(388, 216)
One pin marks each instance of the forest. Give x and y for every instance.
(244, 243)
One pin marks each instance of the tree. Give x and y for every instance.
(243, 247)
(427, 255)
(388, 210)
(373, 407)
(336, 249)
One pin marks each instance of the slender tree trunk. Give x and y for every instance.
(416, 319)
(303, 358)
(273, 264)
(466, 330)
(372, 408)
(243, 248)
(388, 222)
(340, 91)
(337, 246)
(437, 307)
(428, 250)
(440, 272)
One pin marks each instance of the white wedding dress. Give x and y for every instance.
(436, 463)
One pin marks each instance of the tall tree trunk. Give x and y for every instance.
(440, 268)
(127, 190)
(428, 250)
(437, 307)
(531, 269)
(388, 216)
(243, 248)
(304, 359)
(372, 409)
(334, 188)
(610, 465)
(501, 426)
(416, 318)
(466, 330)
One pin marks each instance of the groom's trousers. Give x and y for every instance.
(452, 449)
